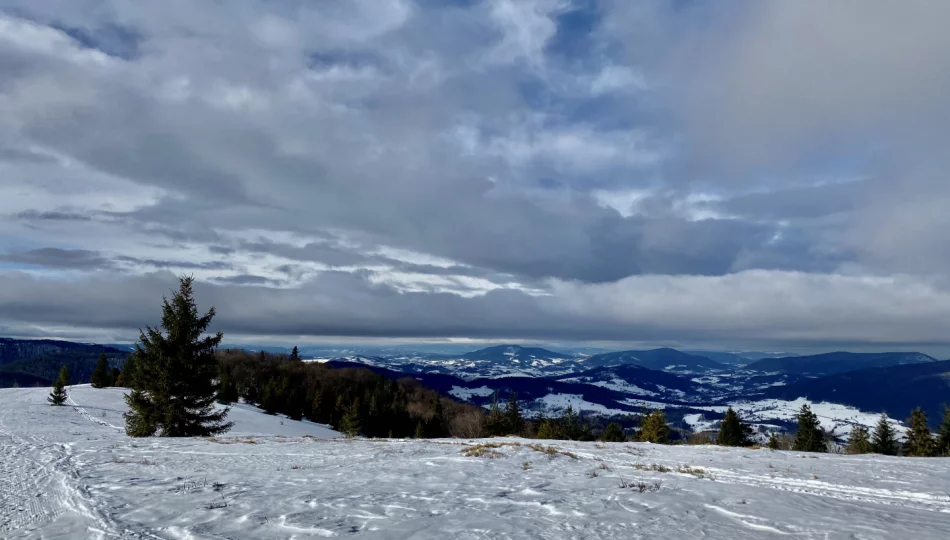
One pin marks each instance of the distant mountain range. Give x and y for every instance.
(838, 362)
(693, 383)
(659, 359)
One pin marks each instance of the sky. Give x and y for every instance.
(693, 173)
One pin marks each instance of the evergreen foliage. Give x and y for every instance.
(943, 434)
(350, 423)
(567, 427)
(809, 437)
(884, 440)
(773, 441)
(101, 375)
(859, 441)
(613, 433)
(496, 424)
(733, 432)
(227, 390)
(127, 376)
(920, 442)
(654, 429)
(58, 396)
(175, 386)
(295, 354)
(324, 394)
(513, 420)
(114, 374)
(419, 434)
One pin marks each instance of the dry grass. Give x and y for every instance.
(551, 451)
(485, 450)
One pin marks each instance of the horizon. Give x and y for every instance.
(470, 346)
(699, 175)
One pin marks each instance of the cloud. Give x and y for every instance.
(503, 161)
(776, 307)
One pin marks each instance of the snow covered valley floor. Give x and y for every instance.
(70, 472)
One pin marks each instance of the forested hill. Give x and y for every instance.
(36, 362)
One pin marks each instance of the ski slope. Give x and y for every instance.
(70, 472)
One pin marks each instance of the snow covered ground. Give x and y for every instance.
(69, 472)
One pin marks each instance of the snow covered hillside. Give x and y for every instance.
(69, 472)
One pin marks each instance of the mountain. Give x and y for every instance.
(12, 350)
(37, 362)
(738, 358)
(837, 362)
(516, 354)
(637, 380)
(659, 359)
(895, 389)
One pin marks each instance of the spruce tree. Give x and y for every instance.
(773, 441)
(100, 375)
(733, 432)
(858, 441)
(884, 440)
(920, 442)
(295, 354)
(654, 429)
(175, 385)
(613, 433)
(114, 376)
(495, 424)
(58, 396)
(128, 372)
(350, 424)
(809, 437)
(943, 434)
(513, 419)
(547, 429)
(420, 433)
(227, 390)
(272, 398)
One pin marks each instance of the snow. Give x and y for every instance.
(469, 393)
(617, 384)
(555, 404)
(833, 417)
(65, 472)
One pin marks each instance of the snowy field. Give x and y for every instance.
(69, 472)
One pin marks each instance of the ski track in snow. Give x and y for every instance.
(70, 472)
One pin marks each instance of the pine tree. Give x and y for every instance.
(128, 372)
(350, 425)
(654, 428)
(58, 396)
(733, 432)
(419, 431)
(100, 375)
(295, 354)
(495, 424)
(513, 419)
(809, 437)
(272, 399)
(175, 385)
(884, 440)
(227, 390)
(547, 429)
(613, 433)
(114, 376)
(943, 434)
(858, 441)
(920, 442)
(773, 441)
